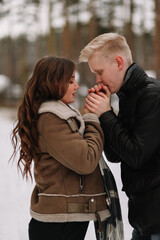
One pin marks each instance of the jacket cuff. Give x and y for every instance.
(91, 117)
(106, 114)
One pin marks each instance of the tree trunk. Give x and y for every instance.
(93, 28)
(50, 37)
(111, 15)
(128, 30)
(67, 40)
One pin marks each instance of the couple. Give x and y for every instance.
(72, 180)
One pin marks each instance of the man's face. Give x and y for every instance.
(107, 71)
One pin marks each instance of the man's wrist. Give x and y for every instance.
(109, 110)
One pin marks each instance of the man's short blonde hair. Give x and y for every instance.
(109, 45)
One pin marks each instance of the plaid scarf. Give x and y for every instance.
(112, 227)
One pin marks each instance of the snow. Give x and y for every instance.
(4, 82)
(16, 192)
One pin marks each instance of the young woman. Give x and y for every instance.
(65, 148)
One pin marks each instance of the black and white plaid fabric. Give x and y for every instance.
(112, 227)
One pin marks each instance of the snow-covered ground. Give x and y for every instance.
(16, 192)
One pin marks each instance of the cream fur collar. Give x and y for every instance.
(63, 111)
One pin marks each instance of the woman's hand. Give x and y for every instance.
(100, 88)
(85, 110)
(98, 100)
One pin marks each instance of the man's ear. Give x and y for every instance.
(119, 62)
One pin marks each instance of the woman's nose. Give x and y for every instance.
(77, 86)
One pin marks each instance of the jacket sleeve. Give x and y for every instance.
(80, 154)
(111, 155)
(134, 146)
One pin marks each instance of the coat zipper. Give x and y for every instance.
(81, 184)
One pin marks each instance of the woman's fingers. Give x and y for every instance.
(95, 88)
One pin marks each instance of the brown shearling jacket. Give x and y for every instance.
(69, 185)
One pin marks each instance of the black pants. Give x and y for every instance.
(136, 236)
(57, 231)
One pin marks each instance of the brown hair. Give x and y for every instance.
(50, 80)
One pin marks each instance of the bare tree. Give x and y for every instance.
(93, 21)
(67, 39)
(51, 34)
(111, 15)
(128, 26)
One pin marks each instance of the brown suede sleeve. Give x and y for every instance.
(80, 154)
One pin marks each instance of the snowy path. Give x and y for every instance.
(15, 192)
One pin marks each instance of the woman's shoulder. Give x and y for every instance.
(48, 120)
(48, 117)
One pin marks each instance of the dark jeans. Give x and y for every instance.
(155, 237)
(57, 231)
(136, 236)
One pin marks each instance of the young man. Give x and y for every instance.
(132, 137)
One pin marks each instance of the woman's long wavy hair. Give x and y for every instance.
(50, 80)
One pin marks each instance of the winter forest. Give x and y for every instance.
(31, 29)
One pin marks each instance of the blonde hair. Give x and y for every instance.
(109, 45)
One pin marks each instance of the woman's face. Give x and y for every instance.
(69, 96)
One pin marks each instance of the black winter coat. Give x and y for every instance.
(133, 138)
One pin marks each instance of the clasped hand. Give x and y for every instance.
(99, 100)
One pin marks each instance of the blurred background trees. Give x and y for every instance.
(30, 29)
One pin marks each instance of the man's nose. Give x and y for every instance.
(98, 79)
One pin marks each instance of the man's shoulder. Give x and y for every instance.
(153, 86)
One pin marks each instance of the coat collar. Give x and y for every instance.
(63, 111)
(133, 80)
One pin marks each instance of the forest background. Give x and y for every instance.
(31, 29)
